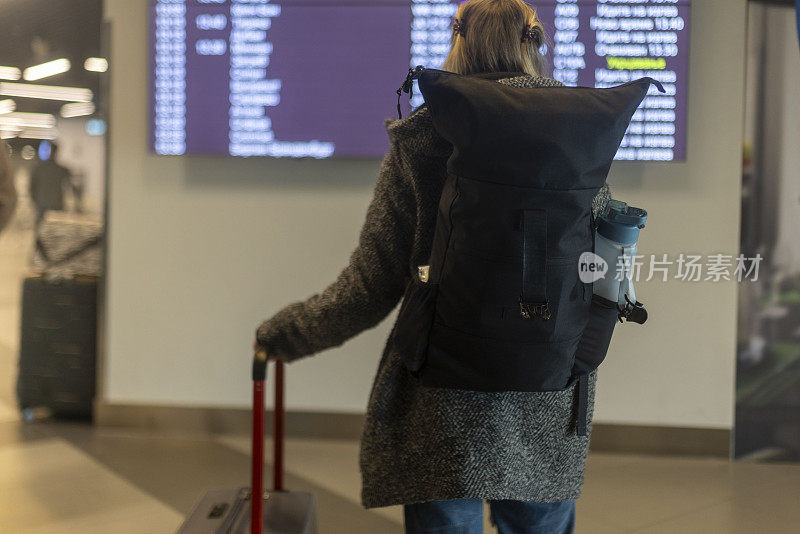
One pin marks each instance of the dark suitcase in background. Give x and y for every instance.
(281, 511)
(57, 350)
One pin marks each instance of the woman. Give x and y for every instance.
(440, 452)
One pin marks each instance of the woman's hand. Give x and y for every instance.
(257, 347)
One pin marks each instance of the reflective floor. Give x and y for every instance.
(72, 478)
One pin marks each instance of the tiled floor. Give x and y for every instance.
(60, 477)
(74, 478)
(52, 486)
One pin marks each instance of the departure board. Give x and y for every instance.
(317, 78)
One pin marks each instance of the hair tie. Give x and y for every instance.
(458, 27)
(531, 33)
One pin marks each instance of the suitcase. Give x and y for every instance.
(57, 349)
(68, 245)
(279, 511)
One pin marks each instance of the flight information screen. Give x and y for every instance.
(317, 78)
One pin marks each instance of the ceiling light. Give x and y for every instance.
(51, 68)
(38, 133)
(7, 106)
(47, 92)
(96, 64)
(96, 127)
(77, 109)
(10, 73)
(25, 120)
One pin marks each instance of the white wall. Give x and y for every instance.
(202, 248)
(679, 368)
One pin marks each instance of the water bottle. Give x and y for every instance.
(616, 239)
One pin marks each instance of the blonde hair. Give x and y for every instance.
(491, 39)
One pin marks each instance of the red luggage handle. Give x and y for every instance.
(257, 470)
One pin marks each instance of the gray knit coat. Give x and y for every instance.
(420, 443)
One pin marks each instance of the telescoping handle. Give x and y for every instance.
(257, 471)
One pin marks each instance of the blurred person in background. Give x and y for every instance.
(8, 193)
(48, 181)
(78, 188)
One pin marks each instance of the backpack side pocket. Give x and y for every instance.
(596, 337)
(414, 321)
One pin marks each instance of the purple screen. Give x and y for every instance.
(317, 78)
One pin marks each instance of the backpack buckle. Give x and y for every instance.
(633, 312)
(528, 310)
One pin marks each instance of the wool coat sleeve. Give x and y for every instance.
(371, 284)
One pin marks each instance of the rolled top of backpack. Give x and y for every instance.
(545, 137)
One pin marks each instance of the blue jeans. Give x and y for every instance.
(465, 516)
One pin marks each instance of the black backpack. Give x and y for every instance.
(501, 307)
